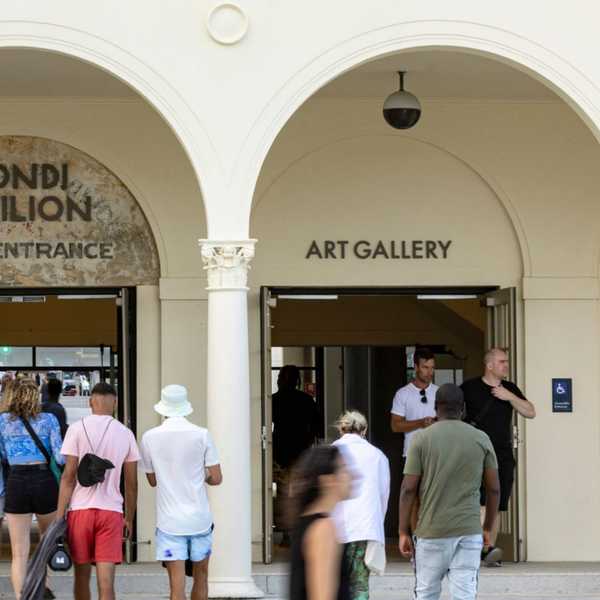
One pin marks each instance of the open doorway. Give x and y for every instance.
(78, 336)
(354, 349)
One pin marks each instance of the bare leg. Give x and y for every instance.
(176, 571)
(200, 588)
(105, 574)
(19, 529)
(81, 587)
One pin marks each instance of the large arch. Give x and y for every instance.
(523, 54)
(145, 81)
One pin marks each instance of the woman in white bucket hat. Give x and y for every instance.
(180, 459)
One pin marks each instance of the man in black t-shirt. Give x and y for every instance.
(52, 404)
(489, 404)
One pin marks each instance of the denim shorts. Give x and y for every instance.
(183, 547)
(31, 489)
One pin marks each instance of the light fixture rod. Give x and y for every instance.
(401, 74)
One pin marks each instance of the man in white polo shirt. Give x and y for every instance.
(414, 404)
(180, 459)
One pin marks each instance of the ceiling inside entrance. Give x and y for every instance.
(45, 74)
(431, 74)
(440, 74)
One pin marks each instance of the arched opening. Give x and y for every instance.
(499, 165)
(100, 213)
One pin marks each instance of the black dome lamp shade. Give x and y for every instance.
(401, 109)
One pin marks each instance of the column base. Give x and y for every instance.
(233, 587)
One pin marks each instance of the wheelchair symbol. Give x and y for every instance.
(560, 389)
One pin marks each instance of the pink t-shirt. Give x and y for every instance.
(118, 446)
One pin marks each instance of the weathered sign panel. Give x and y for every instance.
(66, 220)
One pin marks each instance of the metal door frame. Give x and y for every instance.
(506, 300)
(268, 298)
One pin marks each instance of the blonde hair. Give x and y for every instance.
(351, 422)
(24, 400)
(8, 389)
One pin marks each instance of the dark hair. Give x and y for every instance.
(104, 389)
(288, 378)
(305, 485)
(422, 354)
(55, 388)
(450, 401)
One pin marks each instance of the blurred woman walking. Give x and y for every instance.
(321, 480)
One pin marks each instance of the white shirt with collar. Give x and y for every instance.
(407, 403)
(361, 517)
(178, 452)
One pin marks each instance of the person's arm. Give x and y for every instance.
(523, 406)
(384, 483)
(213, 475)
(322, 559)
(151, 477)
(408, 497)
(131, 485)
(492, 499)
(67, 485)
(212, 468)
(399, 424)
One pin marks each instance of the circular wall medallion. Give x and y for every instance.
(227, 23)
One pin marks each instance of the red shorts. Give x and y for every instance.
(95, 536)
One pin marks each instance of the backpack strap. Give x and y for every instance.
(101, 439)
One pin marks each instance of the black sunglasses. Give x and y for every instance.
(423, 396)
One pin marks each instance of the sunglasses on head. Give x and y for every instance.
(423, 396)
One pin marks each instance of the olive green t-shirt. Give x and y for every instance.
(450, 457)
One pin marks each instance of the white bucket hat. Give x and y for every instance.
(174, 402)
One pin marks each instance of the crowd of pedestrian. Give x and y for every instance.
(458, 470)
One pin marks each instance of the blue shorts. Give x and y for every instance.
(183, 547)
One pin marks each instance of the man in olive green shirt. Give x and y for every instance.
(444, 467)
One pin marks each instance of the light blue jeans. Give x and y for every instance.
(456, 557)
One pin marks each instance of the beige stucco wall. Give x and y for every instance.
(515, 185)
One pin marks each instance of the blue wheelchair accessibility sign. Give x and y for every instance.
(562, 395)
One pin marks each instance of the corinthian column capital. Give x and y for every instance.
(227, 263)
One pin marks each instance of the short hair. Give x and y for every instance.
(491, 353)
(288, 378)
(55, 388)
(103, 389)
(450, 400)
(422, 353)
(351, 421)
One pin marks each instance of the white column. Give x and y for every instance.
(228, 412)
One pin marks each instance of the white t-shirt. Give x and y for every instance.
(407, 404)
(178, 453)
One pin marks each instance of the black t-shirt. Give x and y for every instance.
(58, 410)
(497, 421)
(295, 425)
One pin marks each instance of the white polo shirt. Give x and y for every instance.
(407, 403)
(178, 453)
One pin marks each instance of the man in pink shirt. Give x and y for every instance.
(96, 522)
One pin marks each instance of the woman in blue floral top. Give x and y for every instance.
(31, 487)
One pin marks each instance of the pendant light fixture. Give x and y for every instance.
(401, 109)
